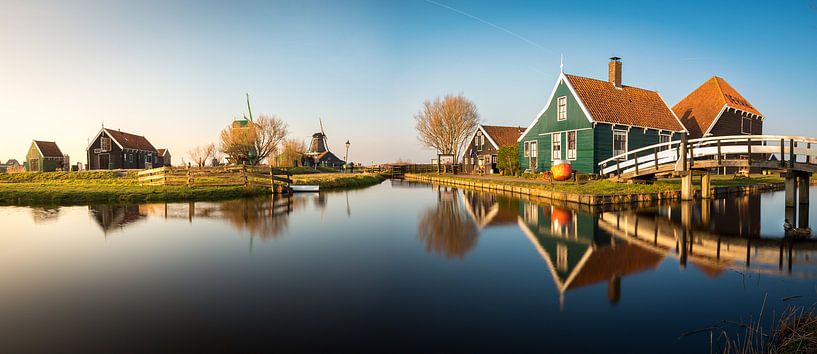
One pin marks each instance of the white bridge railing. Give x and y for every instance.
(650, 159)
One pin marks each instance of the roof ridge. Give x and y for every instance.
(607, 82)
(722, 95)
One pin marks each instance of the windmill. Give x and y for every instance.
(319, 150)
(319, 144)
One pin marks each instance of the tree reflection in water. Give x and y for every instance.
(447, 229)
(45, 214)
(264, 218)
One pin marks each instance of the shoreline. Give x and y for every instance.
(83, 189)
(547, 192)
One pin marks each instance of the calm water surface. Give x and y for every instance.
(395, 267)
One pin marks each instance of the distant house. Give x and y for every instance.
(164, 158)
(318, 153)
(480, 154)
(13, 166)
(717, 109)
(45, 156)
(586, 121)
(115, 149)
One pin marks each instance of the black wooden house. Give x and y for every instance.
(115, 150)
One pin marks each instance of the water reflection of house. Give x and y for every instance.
(577, 253)
(45, 214)
(115, 217)
(489, 209)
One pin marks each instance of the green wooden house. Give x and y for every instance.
(586, 121)
(45, 156)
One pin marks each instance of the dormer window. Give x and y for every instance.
(561, 104)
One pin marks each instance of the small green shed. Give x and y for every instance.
(44, 156)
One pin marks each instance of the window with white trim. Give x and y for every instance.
(526, 149)
(561, 257)
(561, 104)
(745, 125)
(556, 146)
(664, 138)
(480, 141)
(619, 142)
(571, 145)
(493, 158)
(105, 144)
(533, 150)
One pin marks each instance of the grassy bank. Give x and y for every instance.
(606, 187)
(112, 187)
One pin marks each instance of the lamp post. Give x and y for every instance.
(346, 158)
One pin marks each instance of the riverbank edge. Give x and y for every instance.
(586, 199)
(43, 193)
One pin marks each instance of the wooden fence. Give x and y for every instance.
(247, 176)
(398, 170)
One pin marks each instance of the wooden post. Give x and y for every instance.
(782, 153)
(687, 193)
(749, 149)
(792, 156)
(791, 190)
(655, 157)
(636, 163)
(189, 176)
(706, 186)
(244, 174)
(618, 168)
(691, 157)
(682, 152)
(719, 152)
(271, 180)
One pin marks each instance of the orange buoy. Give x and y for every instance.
(561, 170)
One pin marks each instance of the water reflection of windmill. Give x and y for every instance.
(577, 254)
(319, 154)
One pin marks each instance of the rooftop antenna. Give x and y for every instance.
(562, 63)
(248, 107)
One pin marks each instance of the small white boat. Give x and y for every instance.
(305, 188)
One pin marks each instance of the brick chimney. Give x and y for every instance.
(614, 71)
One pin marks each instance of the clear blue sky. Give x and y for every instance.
(177, 72)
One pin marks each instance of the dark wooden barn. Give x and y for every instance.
(117, 150)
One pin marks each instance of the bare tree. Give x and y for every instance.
(201, 154)
(291, 150)
(446, 124)
(271, 133)
(255, 141)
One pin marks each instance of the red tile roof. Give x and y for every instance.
(130, 141)
(503, 136)
(627, 105)
(701, 107)
(48, 148)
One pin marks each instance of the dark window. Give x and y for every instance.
(619, 142)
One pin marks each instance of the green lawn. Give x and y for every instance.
(607, 187)
(110, 187)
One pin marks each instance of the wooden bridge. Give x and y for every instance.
(794, 156)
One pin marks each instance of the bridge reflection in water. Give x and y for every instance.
(588, 247)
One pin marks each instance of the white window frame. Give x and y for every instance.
(534, 149)
(105, 144)
(661, 137)
(553, 150)
(561, 108)
(626, 142)
(480, 140)
(572, 153)
(526, 149)
(743, 120)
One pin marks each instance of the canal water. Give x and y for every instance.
(398, 267)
